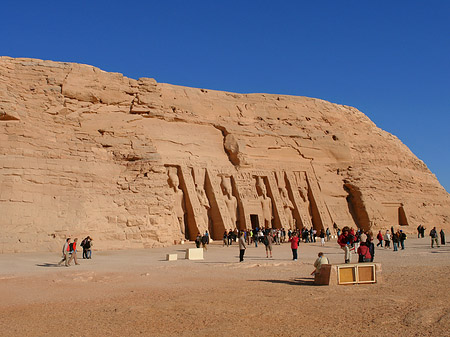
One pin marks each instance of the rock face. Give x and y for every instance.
(136, 163)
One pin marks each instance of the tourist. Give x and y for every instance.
(422, 232)
(328, 234)
(434, 237)
(319, 262)
(380, 239)
(402, 238)
(89, 248)
(65, 253)
(395, 240)
(268, 241)
(364, 252)
(442, 237)
(225, 239)
(204, 240)
(230, 237)
(73, 252)
(356, 239)
(294, 245)
(369, 243)
(345, 240)
(322, 237)
(419, 231)
(242, 247)
(387, 239)
(255, 237)
(198, 240)
(86, 245)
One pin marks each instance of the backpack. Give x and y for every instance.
(266, 241)
(71, 246)
(365, 253)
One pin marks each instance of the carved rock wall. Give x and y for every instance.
(86, 152)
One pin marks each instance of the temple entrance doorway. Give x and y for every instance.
(254, 220)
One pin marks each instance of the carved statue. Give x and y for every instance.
(204, 203)
(230, 200)
(266, 204)
(178, 197)
(288, 207)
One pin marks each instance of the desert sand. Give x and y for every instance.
(138, 293)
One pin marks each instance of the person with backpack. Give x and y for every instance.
(364, 252)
(65, 253)
(73, 252)
(380, 239)
(268, 241)
(434, 237)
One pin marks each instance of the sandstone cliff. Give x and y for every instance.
(136, 163)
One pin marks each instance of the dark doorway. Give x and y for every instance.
(254, 220)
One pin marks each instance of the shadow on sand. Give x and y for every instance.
(295, 282)
(47, 265)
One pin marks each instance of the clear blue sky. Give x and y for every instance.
(389, 59)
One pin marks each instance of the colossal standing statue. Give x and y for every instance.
(178, 198)
(266, 204)
(288, 207)
(230, 200)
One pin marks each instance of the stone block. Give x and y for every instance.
(194, 254)
(171, 257)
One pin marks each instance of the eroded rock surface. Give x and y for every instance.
(136, 163)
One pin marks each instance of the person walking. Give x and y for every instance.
(65, 253)
(73, 252)
(434, 237)
(294, 245)
(380, 239)
(442, 237)
(242, 247)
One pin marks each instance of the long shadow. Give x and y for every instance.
(47, 265)
(296, 282)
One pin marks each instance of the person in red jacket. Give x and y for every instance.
(294, 245)
(380, 239)
(73, 255)
(345, 240)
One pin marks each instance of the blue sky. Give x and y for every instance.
(389, 59)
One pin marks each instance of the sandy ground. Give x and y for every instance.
(138, 293)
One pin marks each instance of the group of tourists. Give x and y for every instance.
(433, 235)
(69, 250)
